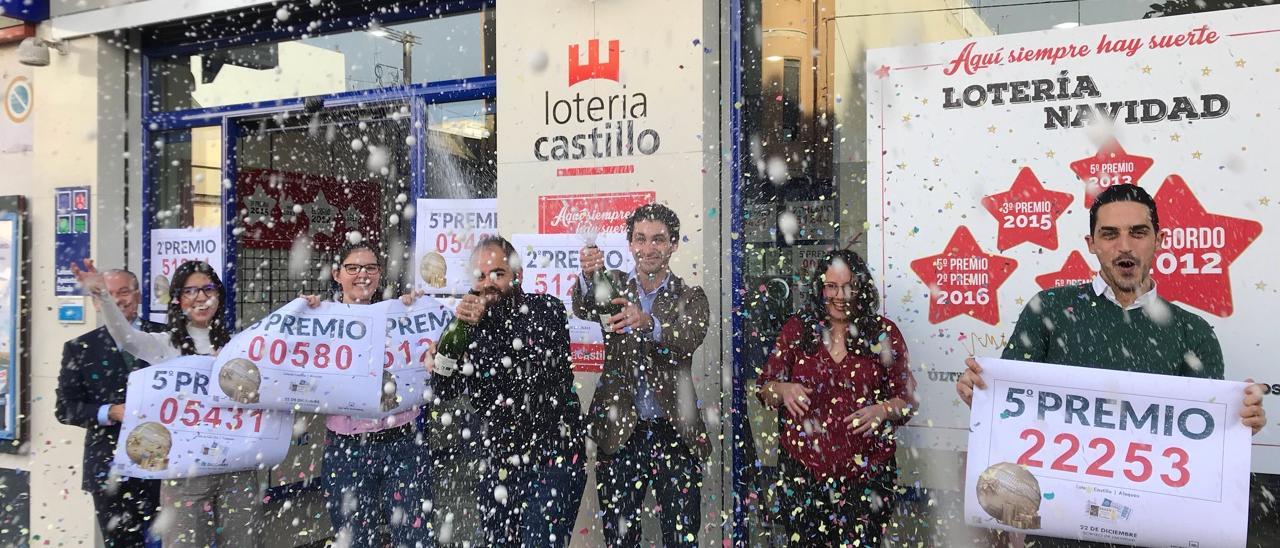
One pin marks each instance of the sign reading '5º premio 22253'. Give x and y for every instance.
(1108, 456)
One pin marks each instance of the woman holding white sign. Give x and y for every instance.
(374, 468)
(839, 378)
(226, 507)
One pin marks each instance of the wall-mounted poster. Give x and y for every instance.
(1037, 124)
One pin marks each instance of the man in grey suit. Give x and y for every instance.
(644, 416)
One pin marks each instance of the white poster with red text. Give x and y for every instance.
(963, 235)
(1108, 456)
(551, 266)
(412, 332)
(170, 247)
(174, 427)
(325, 360)
(447, 232)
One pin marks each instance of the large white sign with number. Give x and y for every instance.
(963, 236)
(170, 247)
(175, 428)
(447, 232)
(1108, 456)
(551, 260)
(325, 360)
(412, 333)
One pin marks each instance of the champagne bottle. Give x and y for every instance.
(605, 293)
(452, 345)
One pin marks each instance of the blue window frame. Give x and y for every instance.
(417, 96)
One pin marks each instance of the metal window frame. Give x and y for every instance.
(416, 96)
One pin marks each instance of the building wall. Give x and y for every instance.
(66, 113)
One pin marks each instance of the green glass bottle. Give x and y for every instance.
(605, 292)
(452, 346)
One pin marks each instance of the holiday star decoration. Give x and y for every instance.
(963, 279)
(1110, 166)
(1027, 212)
(1194, 262)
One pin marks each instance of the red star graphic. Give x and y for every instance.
(963, 279)
(1074, 272)
(1110, 166)
(1027, 212)
(1199, 247)
(883, 71)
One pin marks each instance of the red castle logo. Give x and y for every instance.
(594, 68)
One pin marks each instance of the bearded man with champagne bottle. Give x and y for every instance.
(509, 351)
(644, 416)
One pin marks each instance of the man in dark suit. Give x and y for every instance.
(644, 416)
(91, 389)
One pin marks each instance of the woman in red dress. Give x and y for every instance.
(839, 378)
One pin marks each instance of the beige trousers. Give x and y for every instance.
(226, 507)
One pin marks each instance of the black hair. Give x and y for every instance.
(177, 327)
(655, 212)
(1123, 193)
(508, 251)
(345, 251)
(863, 314)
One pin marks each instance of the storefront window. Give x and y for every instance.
(309, 183)
(805, 186)
(185, 167)
(374, 56)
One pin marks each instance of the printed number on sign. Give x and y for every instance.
(1191, 263)
(451, 243)
(193, 415)
(404, 349)
(1137, 465)
(1042, 222)
(301, 354)
(981, 296)
(170, 264)
(556, 284)
(1105, 181)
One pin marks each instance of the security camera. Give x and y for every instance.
(34, 52)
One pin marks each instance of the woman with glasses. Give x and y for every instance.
(223, 507)
(376, 471)
(838, 376)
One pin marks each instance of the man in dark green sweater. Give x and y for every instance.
(1117, 322)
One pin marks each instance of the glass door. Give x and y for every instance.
(308, 183)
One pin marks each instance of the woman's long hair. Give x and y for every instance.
(178, 335)
(864, 304)
(341, 257)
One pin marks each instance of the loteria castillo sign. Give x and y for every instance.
(611, 103)
(590, 124)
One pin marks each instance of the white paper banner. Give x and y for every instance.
(174, 428)
(1108, 456)
(411, 334)
(326, 360)
(551, 260)
(447, 231)
(170, 247)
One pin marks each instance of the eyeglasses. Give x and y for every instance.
(206, 290)
(352, 268)
(837, 289)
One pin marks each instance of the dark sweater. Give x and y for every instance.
(526, 402)
(1073, 326)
